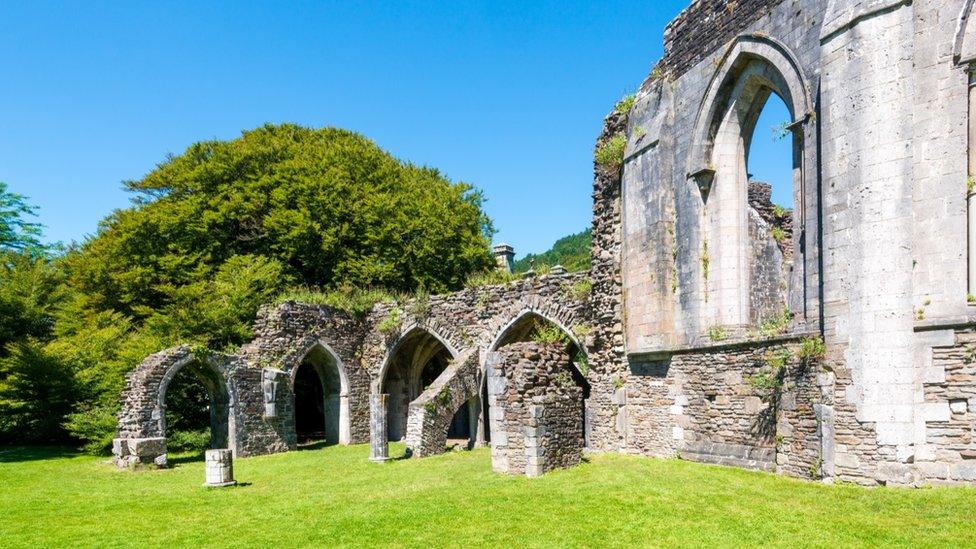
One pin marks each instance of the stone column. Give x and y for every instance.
(345, 432)
(220, 468)
(479, 434)
(971, 194)
(379, 450)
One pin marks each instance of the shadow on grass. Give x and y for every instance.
(182, 458)
(315, 445)
(34, 453)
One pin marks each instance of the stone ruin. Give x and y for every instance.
(834, 341)
(536, 408)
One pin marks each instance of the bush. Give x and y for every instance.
(549, 334)
(352, 300)
(36, 392)
(610, 153)
(188, 441)
(95, 426)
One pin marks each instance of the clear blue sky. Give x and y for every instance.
(508, 96)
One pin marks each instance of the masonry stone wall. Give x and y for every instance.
(873, 257)
(536, 410)
(468, 324)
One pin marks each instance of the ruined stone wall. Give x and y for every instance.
(284, 336)
(874, 257)
(431, 413)
(536, 410)
(729, 405)
(468, 323)
(706, 26)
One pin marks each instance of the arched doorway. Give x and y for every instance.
(195, 408)
(321, 399)
(417, 361)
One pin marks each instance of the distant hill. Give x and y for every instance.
(572, 252)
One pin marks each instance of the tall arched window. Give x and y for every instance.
(751, 248)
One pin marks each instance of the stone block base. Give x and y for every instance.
(132, 451)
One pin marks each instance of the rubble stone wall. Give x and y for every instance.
(536, 410)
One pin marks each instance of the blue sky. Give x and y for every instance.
(508, 96)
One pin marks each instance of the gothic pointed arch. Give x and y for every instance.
(756, 57)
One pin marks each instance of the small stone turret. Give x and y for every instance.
(505, 256)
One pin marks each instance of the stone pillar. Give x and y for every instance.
(536, 410)
(971, 194)
(535, 452)
(479, 436)
(345, 429)
(505, 256)
(379, 449)
(474, 421)
(220, 468)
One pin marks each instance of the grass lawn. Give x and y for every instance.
(334, 496)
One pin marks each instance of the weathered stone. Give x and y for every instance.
(219, 468)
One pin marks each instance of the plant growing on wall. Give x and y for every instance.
(548, 333)
(610, 153)
(582, 363)
(811, 350)
(579, 291)
(776, 324)
(420, 305)
(625, 104)
(391, 323)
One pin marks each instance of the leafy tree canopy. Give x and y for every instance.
(16, 232)
(327, 206)
(572, 252)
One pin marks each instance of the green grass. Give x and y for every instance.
(334, 496)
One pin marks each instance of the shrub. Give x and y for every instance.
(391, 323)
(610, 153)
(188, 441)
(717, 333)
(625, 104)
(350, 299)
(95, 426)
(549, 333)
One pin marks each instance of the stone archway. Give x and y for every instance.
(320, 385)
(415, 361)
(142, 421)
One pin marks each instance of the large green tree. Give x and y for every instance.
(17, 233)
(328, 205)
